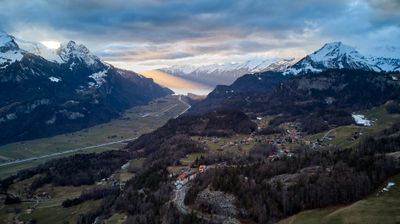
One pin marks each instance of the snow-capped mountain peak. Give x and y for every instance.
(67, 52)
(39, 49)
(337, 55)
(9, 50)
(334, 50)
(7, 42)
(72, 50)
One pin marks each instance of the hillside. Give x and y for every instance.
(380, 207)
(318, 101)
(251, 83)
(71, 90)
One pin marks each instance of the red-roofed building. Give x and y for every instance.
(202, 168)
(182, 176)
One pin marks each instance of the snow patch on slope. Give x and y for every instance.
(388, 186)
(99, 77)
(361, 120)
(10, 57)
(54, 79)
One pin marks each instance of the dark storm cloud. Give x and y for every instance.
(161, 21)
(387, 11)
(184, 28)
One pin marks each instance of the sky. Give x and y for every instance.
(147, 34)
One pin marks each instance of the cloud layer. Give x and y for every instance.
(197, 31)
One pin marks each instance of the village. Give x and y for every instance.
(284, 142)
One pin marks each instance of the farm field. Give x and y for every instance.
(343, 136)
(44, 209)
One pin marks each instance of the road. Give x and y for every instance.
(66, 152)
(327, 133)
(179, 199)
(93, 146)
(188, 106)
(159, 113)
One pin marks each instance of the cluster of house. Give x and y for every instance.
(42, 196)
(187, 176)
(320, 142)
(182, 179)
(292, 135)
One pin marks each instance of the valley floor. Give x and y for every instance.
(108, 136)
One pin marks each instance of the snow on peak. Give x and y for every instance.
(72, 50)
(9, 50)
(7, 42)
(334, 50)
(63, 54)
(39, 49)
(337, 55)
(254, 65)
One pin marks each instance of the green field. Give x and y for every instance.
(384, 208)
(47, 210)
(190, 158)
(136, 163)
(342, 136)
(130, 125)
(59, 214)
(126, 174)
(50, 210)
(222, 145)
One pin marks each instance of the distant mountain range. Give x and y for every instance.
(226, 74)
(62, 90)
(335, 55)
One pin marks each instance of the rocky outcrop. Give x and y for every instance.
(218, 202)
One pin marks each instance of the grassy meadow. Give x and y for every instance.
(379, 207)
